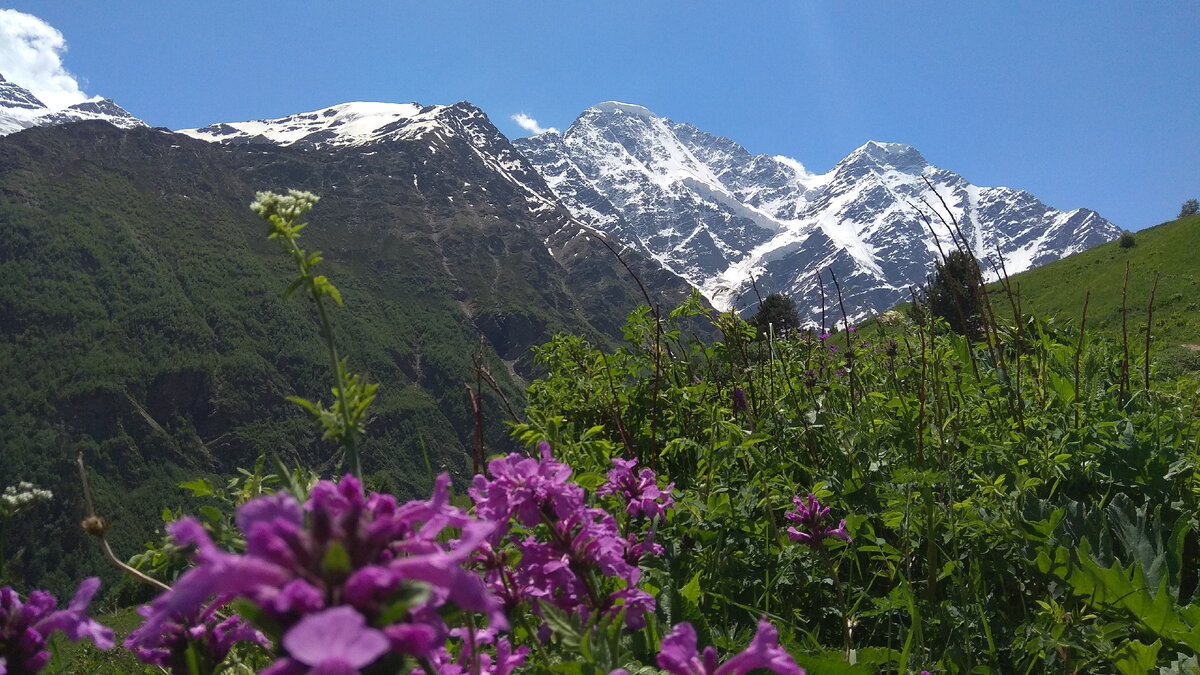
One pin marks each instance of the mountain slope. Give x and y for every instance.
(575, 243)
(708, 209)
(1058, 289)
(144, 323)
(20, 109)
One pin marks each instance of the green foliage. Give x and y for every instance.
(778, 311)
(1127, 240)
(345, 421)
(953, 293)
(961, 477)
(1057, 290)
(1190, 208)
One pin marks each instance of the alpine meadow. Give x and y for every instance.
(391, 388)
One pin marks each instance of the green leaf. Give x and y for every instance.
(1135, 658)
(336, 561)
(561, 625)
(719, 505)
(211, 515)
(199, 487)
(691, 592)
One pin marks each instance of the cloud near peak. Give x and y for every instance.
(31, 56)
(531, 125)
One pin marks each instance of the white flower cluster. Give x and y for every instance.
(288, 207)
(17, 497)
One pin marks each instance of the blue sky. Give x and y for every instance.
(1091, 104)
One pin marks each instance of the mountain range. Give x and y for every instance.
(725, 220)
(20, 109)
(143, 317)
(690, 205)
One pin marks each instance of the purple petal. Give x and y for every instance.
(678, 653)
(764, 653)
(414, 639)
(335, 641)
(267, 510)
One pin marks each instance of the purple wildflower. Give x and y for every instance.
(811, 515)
(641, 493)
(521, 486)
(478, 660)
(214, 635)
(679, 656)
(739, 401)
(852, 329)
(564, 541)
(810, 378)
(842, 372)
(25, 626)
(833, 349)
(343, 553)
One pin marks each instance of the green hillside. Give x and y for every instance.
(1169, 250)
(143, 321)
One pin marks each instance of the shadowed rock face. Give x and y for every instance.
(715, 214)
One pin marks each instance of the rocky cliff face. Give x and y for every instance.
(719, 216)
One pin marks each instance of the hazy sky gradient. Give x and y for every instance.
(1091, 104)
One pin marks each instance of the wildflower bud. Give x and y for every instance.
(739, 400)
(95, 526)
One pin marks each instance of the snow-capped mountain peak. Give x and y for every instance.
(20, 109)
(355, 123)
(12, 95)
(367, 124)
(719, 216)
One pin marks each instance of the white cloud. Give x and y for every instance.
(794, 164)
(31, 55)
(531, 125)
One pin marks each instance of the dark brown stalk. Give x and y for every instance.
(962, 316)
(921, 399)
(754, 285)
(849, 344)
(1149, 325)
(477, 436)
(926, 493)
(1124, 385)
(630, 449)
(482, 372)
(966, 246)
(1079, 352)
(821, 286)
(989, 320)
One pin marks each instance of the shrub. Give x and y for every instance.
(1127, 240)
(953, 293)
(1190, 208)
(777, 310)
